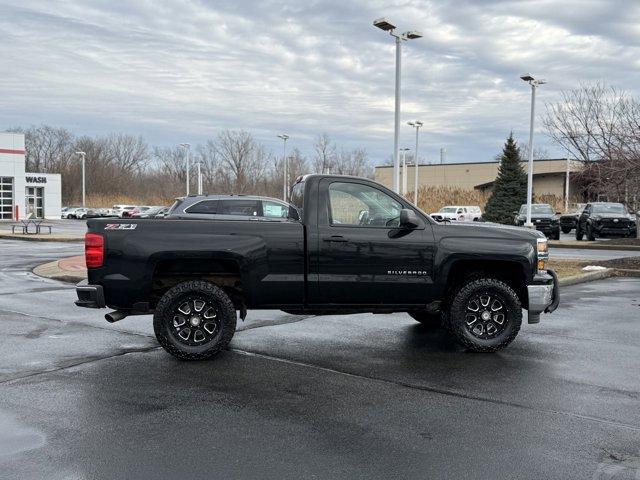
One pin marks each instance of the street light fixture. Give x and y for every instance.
(186, 147)
(404, 170)
(387, 26)
(285, 186)
(83, 155)
(527, 77)
(416, 124)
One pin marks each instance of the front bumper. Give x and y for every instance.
(544, 295)
(89, 296)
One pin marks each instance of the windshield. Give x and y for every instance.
(447, 210)
(538, 208)
(616, 208)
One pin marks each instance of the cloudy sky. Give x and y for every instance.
(182, 70)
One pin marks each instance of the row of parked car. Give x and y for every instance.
(118, 211)
(593, 220)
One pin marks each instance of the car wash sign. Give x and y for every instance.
(33, 179)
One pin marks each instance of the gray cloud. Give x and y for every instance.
(182, 70)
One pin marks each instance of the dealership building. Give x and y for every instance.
(550, 176)
(25, 195)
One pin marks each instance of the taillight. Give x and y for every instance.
(93, 250)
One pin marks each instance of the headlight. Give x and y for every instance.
(543, 253)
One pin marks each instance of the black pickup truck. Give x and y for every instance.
(351, 246)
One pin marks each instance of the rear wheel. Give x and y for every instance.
(194, 320)
(484, 315)
(428, 319)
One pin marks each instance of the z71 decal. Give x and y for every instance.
(121, 226)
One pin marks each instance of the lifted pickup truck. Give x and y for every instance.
(352, 246)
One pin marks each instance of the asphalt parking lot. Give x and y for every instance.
(360, 396)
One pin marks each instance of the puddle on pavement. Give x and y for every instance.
(15, 437)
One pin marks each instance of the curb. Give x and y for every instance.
(587, 277)
(34, 238)
(52, 270)
(591, 246)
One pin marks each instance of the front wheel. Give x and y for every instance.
(579, 233)
(566, 229)
(485, 315)
(590, 235)
(194, 320)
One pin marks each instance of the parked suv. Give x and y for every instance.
(232, 207)
(543, 217)
(458, 213)
(569, 220)
(605, 219)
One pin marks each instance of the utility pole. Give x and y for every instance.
(534, 84)
(186, 147)
(285, 167)
(83, 155)
(416, 124)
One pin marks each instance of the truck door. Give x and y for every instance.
(363, 257)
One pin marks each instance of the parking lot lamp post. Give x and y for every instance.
(404, 170)
(186, 147)
(199, 178)
(387, 26)
(534, 84)
(416, 124)
(83, 155)
(285, 186)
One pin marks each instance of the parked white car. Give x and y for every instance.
(119, 209)
(458, 213)
(66, 211)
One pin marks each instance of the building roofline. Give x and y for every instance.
(482, 163)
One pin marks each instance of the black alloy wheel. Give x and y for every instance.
(194, 320)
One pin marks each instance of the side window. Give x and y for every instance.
(249, 208)
(206, 206)
(274, 209)
(361, 205)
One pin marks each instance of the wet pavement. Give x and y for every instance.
(359, 396)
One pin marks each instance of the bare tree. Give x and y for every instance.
(600, 126)
(354, 162)
(325, 154)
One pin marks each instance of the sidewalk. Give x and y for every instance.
(71, 269)
(43, 237)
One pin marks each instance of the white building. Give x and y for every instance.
(25, 194)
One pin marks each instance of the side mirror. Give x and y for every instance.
(408, 218)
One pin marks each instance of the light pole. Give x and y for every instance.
(387, 26)
(83, 155)
(199, 178)
(527, 77)
(416, 124)
(566, 189)
(285, 186)
(186, 147)
(404, 170)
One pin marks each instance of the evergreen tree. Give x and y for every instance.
(509, 188)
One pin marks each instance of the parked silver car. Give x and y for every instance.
(232, 207)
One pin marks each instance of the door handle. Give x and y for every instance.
(335, 238)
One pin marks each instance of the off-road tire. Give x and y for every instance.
(590, 236)
(171, 301)
(555, 236)
(579, 234)
(455, 315)
(428, 319)
(566, 229)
